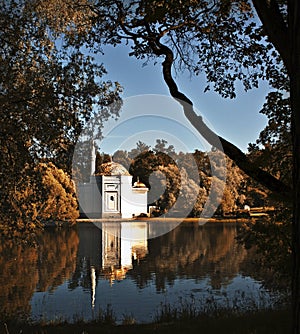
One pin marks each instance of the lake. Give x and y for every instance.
(72, 273)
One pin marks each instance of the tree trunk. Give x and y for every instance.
(294, 36)
(296, 218)
(295, 87)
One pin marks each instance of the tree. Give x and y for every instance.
(222, 36)
(273, 148)
(233, 192)
(58, 198)
(159, 28)
(160, 146)
(269, 241)
(122, 158)
(45, 193)
(168, 174)
(140, 148)
(147, 162)
(48, 92)
(285, 36)
(42, 100)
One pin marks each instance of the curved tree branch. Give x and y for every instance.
(233, 152)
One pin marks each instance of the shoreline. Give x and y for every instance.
(241, 217)
(161, 220)
(199, 221)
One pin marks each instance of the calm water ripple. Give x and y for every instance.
(74, 273)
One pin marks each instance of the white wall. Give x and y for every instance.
(133, 201)
(90, 200)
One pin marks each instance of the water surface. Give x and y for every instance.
(73, 273)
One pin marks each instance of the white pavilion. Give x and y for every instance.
(110, 194)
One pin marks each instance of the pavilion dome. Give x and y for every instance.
(112, 168)
(139, 184)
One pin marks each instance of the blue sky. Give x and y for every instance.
(146, 118)
(237, 120)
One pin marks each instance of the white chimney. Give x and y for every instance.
(93, 158)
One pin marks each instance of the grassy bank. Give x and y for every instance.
(269, 321)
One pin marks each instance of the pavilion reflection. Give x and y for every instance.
(122, 244)
(112, 248)
(107, 251)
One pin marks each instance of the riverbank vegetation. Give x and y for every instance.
(258, 322)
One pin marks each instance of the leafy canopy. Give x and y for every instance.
(48, 92)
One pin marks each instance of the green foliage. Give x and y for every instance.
(101, 159)
(18, 205)
(220, 39)
(259, 322)
(107, 316)
(47, 90)
(273, 149)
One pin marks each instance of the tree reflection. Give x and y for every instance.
(88, 256)
(84, 255)
(18, 279)
(188, 251)
(26, 269)
(268, 240)
(191, 252)
(57, 251)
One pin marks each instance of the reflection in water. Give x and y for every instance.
(24, 270)
(122, 243)
(76, 272)
(18, 278)
(192, 252)
(108, 252)
(56, 261)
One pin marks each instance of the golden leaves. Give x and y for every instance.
(66, 16)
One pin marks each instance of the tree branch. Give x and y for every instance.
(233, 152)
(275, 27)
